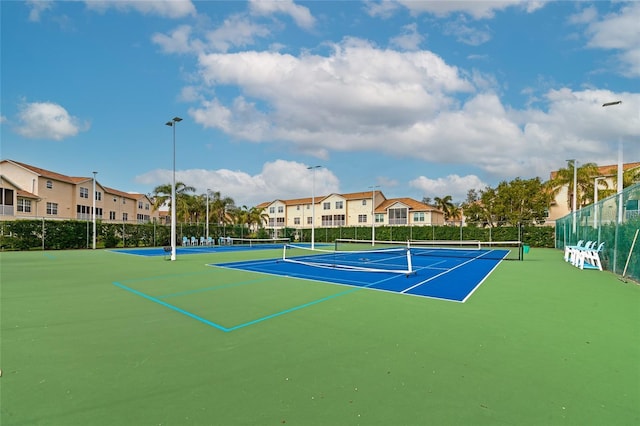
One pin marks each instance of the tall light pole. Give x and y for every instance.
(207, 215)
(94, 210)
(619, 184)
(575, 192)
(619, 191)
(373, 214)
(172, 124)
(313, 205)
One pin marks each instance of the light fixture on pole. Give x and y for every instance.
(172, 124)
(94, 210)
(373, 214)
(313, 206)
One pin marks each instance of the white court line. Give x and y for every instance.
(443, 273)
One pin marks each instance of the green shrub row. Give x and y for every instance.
(74, 234)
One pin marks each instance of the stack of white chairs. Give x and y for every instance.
(589, 257)
(568, 250)
(584, 255)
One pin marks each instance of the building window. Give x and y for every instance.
(418, 217)
(339, 205)
(379, 218)
(140, 205)
(309, 221)
(125, 217)
(327, 220)
(280, 221)
(398, 216)
(52, 208)
(326, 206)
(84, 192)
(49, 184)
(280, 209)
(362, 218)
(272, 210)
(339, 220)
(6, 197)
(112, 215)
(24, 205)
(364, 202)
(298, 207)
(146, 206)
(98, 196)
(296, 221)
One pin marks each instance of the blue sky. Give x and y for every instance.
(423, 99)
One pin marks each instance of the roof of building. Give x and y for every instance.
(610, 170)
(51, 175)
(409, 202)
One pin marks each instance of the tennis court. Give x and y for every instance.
(94, 337)
(436, 272)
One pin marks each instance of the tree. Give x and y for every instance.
(585, 177)
(445, 205)
(162, 194)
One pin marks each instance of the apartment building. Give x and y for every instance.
(607, 177)
(354, 209)
(28, 192)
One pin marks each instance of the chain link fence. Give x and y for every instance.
(614, 221)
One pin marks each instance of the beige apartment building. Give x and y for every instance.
(354, 209)
(561, 205)
(28, 192)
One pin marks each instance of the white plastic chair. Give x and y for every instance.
(194, 242)
(590, 257)
(185, 241)
(567, 249)
(574, 252)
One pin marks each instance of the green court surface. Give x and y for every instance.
(102, 338)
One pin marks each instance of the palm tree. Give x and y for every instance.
(162, 194)
(220, 206)
(585, 176)
(445, 205)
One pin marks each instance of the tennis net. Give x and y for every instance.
(396, 260)
(256, 242)
(471, 249)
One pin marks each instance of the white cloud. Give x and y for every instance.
(46, 120)
(616, 31)
(37, 8)
(165, 8)
(300, 14)
(399, 104)
(279, 179)
(453, 185)
(410, 39)
(235, 31)
(178, 41)
(475, 9)
(467, 34)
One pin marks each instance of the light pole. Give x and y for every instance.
(94, 210)
(207, 215)
(373, 214)
(172, 124)
(620, 183)
(313, 206)
(595, 200)
(575, 192)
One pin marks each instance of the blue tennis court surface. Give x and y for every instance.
(440, 277)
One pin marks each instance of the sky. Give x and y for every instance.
(414, 98)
